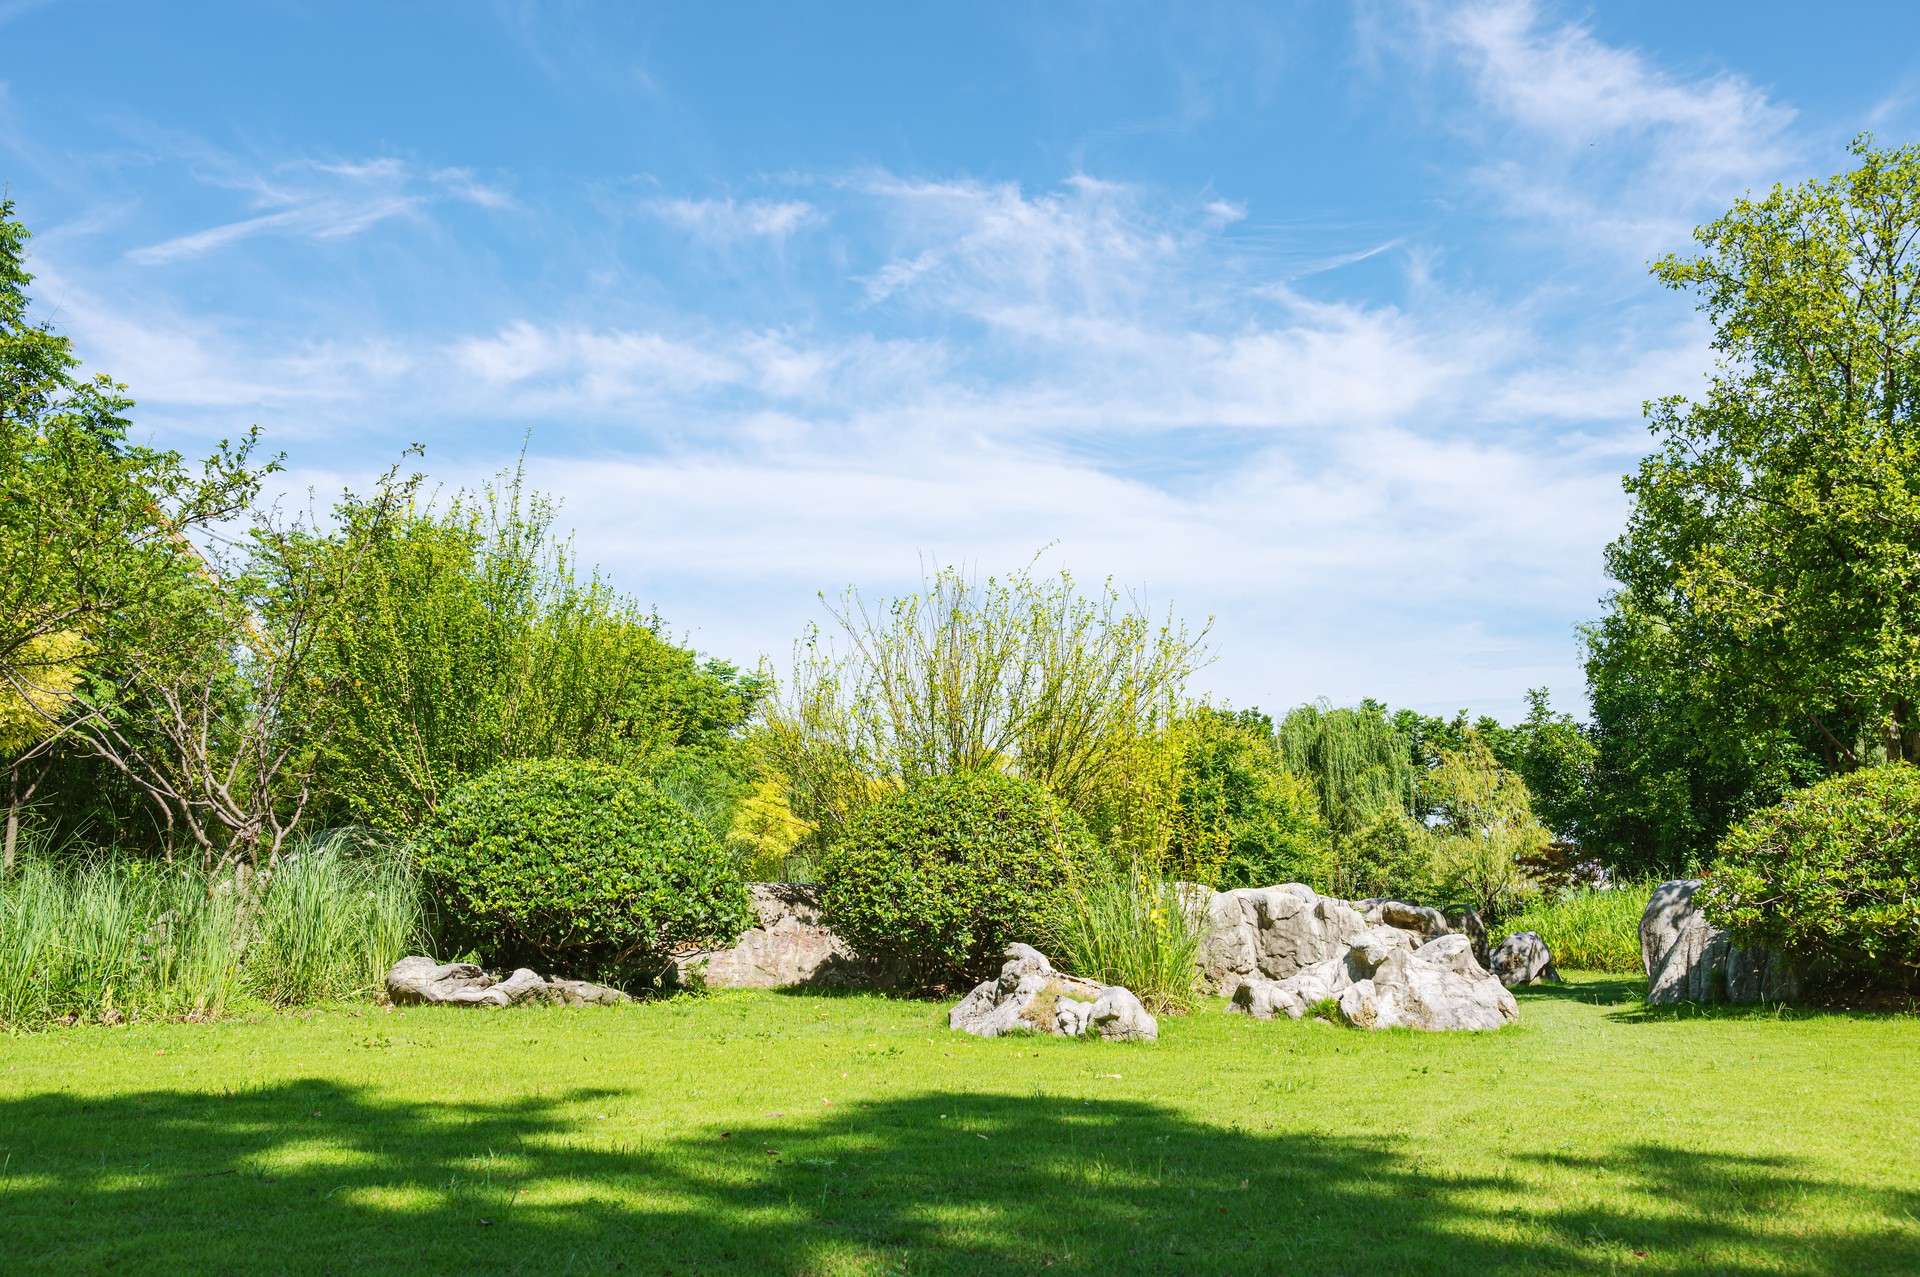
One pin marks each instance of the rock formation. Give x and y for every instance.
(1688, 959)
(1029, 996)
(790, 946)
(1269, 933)
(1387, 979)
(416, 980)
(1523, 958)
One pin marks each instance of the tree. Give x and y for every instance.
(1484, 824)
(1023, 675)
(1243, 819)
(96, 535)
(1359, 763)
(1770, 571)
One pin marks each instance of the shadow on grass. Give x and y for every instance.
(316, 1177)
(1592, 990)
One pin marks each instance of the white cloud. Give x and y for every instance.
(319, 200)
(726, 221)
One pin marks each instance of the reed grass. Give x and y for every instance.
(1588, 929)
(1128, 926)
(101, 937)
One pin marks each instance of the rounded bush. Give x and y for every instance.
(577, 868)
(940, 878)
(1830, 877)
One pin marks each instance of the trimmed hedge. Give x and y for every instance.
(1830, 877)
(577, 868)
(940, 878)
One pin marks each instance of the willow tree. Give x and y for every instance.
(1358, 761)
(1024, 674)
(1771, 564)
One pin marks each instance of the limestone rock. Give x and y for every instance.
(1426, 921)
(1387, 980)
(1688, 959)
(790, 946)
(414, 980)
(1273, 932)
(1523, 958)
(1029, 996)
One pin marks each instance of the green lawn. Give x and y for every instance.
(769, 1134)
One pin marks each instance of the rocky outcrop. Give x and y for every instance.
(1422, 920)
(791, 946)
(1523, 958)
(1688, 959)
(1029, 996)
(416, 980)
(1467, 921)
(1269, 933)
(1388, 978)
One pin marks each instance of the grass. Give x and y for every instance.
(1131, 928)
(109, 938)
(1590, 930)
(769, 1133)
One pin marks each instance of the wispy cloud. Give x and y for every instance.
(726, 221)
(320, 200)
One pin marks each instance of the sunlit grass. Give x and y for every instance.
(776, 1134)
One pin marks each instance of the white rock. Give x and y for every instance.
(1688, 959)
(1523, 958)
(1029, 996)
(1386, 982)
(1273, 932)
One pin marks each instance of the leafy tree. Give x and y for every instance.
(1771, 565)
(1023, 675)
(1359, 763)
(1484, 824)
(99, 571)
(477, 643)
(1243, 819)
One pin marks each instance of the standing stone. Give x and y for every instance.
(1688, 959)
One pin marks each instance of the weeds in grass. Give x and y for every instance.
(104, 938)
(1590, 930)
(1130, 927)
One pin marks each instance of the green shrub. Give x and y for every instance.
(1125, 925)
(1830, 877)
(1588, 930)
(578, 868)
(941, 877)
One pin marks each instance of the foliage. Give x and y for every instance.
(478, 644)
(1589, 929)
(578, 867)
(942, 876)
(1391, 855)
(1771, 564)
(764, 833)
(1243, 819)
(1484, 824)
(1357, 762)
(1668, 779)
(1830, 876)
(1024, 675)
(111, 938)
(98, 568)
(1126, 925)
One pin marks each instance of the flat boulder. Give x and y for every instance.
(1523, 958)
(417, 980)
(1688, 959)
(1029, 996)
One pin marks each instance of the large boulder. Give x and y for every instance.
(1269, 933)
(1389, 978)
(1423, 920)
(419, 980)
(1523, 958)
(1688, 959)
(1029, 996)
(790, 946)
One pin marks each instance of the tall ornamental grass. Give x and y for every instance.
(108, 938)
(1588, 929)
(1128, 926)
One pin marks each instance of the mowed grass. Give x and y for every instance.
(775, 1134)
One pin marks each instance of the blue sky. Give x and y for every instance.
(1329, 321)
